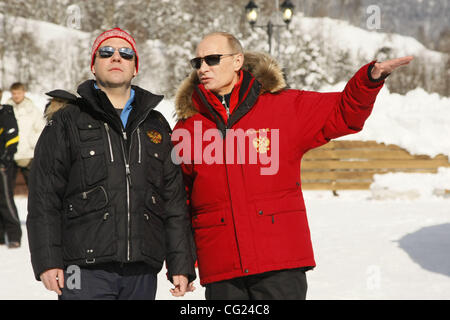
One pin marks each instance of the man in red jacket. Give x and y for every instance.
(240, 138)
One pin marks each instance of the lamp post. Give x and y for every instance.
(252, 12)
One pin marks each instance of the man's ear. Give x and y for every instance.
(93, 70)
(238, 61)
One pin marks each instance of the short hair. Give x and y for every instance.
(17, 86)
(234, 43)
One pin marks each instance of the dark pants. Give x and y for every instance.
(113, 281)
(9, 218)
(24, 170)
(289, 284)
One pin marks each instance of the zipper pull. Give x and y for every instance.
(224, 102)
(124, 134)
(128, 173)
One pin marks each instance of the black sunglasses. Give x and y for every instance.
(211, 60)
(107, 52)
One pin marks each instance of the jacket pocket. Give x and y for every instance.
(94, 163)
(85, 202)
(215, 242)
(207, 220)
(155, 167)
(153, 243)
(154, 203)
(271, 207)
(281, 229)
(89, 131)
(90, 236)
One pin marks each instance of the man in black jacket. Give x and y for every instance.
(104, 194)
(9, 138)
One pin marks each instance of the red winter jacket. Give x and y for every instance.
(248, 215)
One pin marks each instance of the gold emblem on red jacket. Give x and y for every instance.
(261, 143)
(154, 136)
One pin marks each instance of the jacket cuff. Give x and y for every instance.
(42, 264)
(369, 74)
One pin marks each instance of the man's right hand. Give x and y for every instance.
(53, 280)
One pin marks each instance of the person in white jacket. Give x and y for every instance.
(30, 122)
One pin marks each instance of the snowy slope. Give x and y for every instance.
(361, 42)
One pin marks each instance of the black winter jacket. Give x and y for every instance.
(101, 193)
(9, 134)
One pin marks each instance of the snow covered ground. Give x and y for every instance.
(365, 249)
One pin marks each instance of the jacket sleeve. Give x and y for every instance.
(325, 116)
(179, 239)
(10, 135)
(47, 183)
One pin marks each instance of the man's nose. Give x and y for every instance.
(116, 56)
(203, 66)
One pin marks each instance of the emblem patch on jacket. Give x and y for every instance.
(261, 144)
(154, 136)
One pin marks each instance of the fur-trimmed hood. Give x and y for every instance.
(58, 100)
(262, 66)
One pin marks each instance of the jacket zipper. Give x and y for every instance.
(128, 174)
(139, 141)
(109, 142)
(128, 179)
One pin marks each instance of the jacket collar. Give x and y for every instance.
(97, 102)
(243, 97)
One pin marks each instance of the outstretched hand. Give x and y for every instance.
(386, 67)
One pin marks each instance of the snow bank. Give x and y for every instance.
(401, 185)
(418, 121)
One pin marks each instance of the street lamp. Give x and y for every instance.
(252, 12)
(288, 11)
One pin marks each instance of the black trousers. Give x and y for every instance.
(112, 281)
(9, 218)
(288, 284)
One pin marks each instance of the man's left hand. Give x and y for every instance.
(384, 68)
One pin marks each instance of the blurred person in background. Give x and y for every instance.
(31, 122)
(10, 230)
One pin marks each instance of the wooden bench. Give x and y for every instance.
(350, 165)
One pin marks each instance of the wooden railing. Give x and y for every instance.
(350, 165)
